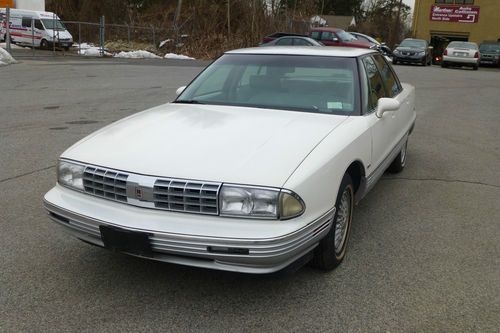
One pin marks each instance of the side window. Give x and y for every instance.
(376, 88)
(315, 35)
(300, 42)
(26, 22)
(327, 35)
(38, 25)
(391, 83)
(284, 41)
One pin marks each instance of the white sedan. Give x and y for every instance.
(461, 54)
(256, 166)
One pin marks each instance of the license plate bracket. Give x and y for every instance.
(122, 240)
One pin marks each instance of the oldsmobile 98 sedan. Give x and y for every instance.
(256, 165)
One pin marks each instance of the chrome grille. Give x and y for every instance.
(186, 196)
(105, 183)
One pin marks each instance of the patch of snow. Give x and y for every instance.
(6, 58)
(177, 56)
(162, 43)
(141, 54)
(388, 58)
(13, 46)
(83, 46)
(92, 51)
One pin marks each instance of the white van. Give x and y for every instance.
(48, 29)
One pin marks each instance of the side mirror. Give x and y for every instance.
(387, 104)
(180, 90)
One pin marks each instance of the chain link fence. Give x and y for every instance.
(29, 36)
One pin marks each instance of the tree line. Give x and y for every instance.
(216, 25)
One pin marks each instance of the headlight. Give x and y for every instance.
(257, 202)
(421, 53)
(70, 174)
(396, 52)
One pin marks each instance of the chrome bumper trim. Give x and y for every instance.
(264, 255)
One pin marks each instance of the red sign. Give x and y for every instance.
(463, 14)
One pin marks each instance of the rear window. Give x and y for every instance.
(463, 45)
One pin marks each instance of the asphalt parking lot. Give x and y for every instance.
(424, 254)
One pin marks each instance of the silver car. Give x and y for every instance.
(461, 54)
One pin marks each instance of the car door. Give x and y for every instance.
(284, 41)
(389, 130)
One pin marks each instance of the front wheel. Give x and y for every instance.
(399, 162)
(44, 44)
(475, 67)
(331, 249)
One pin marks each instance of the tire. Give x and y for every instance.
(394, 61)
(429, 63)
(475, 67)
(424, 62)
(399, 162)
(44, 45)
(332, 248)
(444, 64)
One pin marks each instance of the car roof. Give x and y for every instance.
(324, 51)
(325, 29)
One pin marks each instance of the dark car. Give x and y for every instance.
(276, 35)
(336, 37)
(416, 51)
(489, 53)
(293, 41)
(375, 44)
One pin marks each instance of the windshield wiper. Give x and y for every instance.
(188, 101)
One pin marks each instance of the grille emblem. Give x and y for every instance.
(139, 193)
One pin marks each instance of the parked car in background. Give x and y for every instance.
(375, 44)
(336, 37)
(489, 53)
(293, 41)
(461, 54)
(47, 29)
(256, 165)
(276, 35)
(413, 51)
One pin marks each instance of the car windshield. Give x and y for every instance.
(345, 36)
(50, 24)
(463, 45)
(413, 43)
(493, 48)
(288, 82)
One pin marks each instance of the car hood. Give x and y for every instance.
(212, 143)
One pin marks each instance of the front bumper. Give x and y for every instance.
(408, 59)
(82, 215)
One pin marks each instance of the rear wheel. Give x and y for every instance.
(444, 64)
(331, 249)
(475, 67)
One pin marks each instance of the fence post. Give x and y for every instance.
(154, 36)
(128, 34)
(53, 34)
(101, 35)
(7, 35)
(79, 38)
(33, 36)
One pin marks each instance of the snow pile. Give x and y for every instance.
(90, 50)
(13, 46)
(177, 56)
(6, 58)
(140, 54)
(318, 20)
